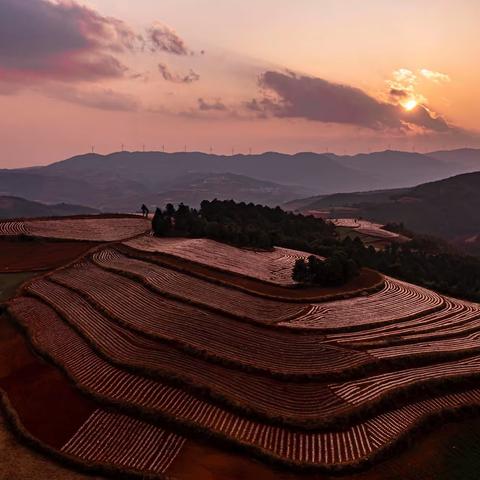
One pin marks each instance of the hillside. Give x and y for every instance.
(343, 199)
(15, 207)
(147, 353)
(122, 180)
(191, 189)
(446, 208)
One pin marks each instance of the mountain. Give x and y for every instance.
(191, 189)
(447, 208)
(399, 169)
(15, 207)
(121, 180)
(343, 199)
(157, 169)
(467, 159)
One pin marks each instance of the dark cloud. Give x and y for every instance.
(164, 39)
(215, 105)
(102, 99)
(398, 93)
(40, 39)
(286, 95)
(170, 76)
(423, 117)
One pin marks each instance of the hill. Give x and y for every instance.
(447, 208)
(193, 188)
(15, 207)
(466, 158)
(399, 169)
(119, 181)
(148, 356)
(343, 199)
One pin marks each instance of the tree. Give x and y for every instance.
(300, 271)
(161, 225)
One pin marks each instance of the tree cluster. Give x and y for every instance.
(333, 271)
(244, 225)
(424, 260)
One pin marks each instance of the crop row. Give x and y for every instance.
(123, 441)
(212, 334)
(397, 301)
(13, 228)
(198, 290)
(452, 313)
(296, 403)
(452, 330)
(371, 388)
(93, 229)
(272, 266)
(362, 440)
(467, 343)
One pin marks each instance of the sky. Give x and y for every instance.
(231, 76)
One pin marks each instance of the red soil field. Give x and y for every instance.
(38, 255)
(110, 438)
(273, 266)
(366, 280)
(346, 446)
(29, 383)
(156, 344)
(209, 334)
(430, 459)
(102, 228)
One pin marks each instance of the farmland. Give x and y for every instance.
(274, 267)
(96, 229)
(153, 358)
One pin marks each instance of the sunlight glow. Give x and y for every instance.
(410, 105)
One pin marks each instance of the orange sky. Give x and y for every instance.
(322, 74)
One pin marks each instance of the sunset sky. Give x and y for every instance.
(310, 75)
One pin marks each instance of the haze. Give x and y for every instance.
(233, 76)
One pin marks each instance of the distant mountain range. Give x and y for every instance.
(120, 181)
(14, 207)
(448, 208)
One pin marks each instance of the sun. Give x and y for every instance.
(410, 105)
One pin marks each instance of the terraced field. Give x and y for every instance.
(331, 386)
(275, 266)
(115, 439)
(89, 229)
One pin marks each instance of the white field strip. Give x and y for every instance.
(93, 229)
(395, 302)
(122, 441)
(13, 228)
(365, 390)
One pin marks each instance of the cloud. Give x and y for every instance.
(286, 95)
(169, 76)
(436, 77)
(65, 41)
(98, 98)
(404, 75)
(398, 92)
(164, 39)
(216, 105)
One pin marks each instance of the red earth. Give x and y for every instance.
(38, 255)
(366, 280)
(48, 405)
